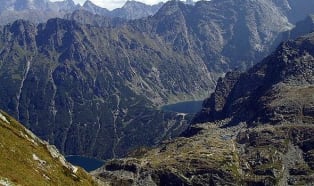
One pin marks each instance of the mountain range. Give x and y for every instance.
(268, 141)
(39, 11)
(94, 86)
(57, 72)
(256, 130)
(130, 10)
(34, 10)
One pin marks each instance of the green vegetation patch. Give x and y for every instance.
(26, 161)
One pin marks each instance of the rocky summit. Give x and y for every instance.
(260, 95)
(135, 10)
(256, 130)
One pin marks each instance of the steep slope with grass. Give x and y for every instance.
(27, 160)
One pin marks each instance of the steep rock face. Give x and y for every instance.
(87, 17)
(259, 131)
(90, 90)
(218, 32)
(27, 160)
(214, 105)
(259, 95)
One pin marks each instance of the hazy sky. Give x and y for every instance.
(112, 4)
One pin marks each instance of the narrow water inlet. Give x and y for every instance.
(87, 163)
(189, 107)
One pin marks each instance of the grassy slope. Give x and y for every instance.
(18, 165)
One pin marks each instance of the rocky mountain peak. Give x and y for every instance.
(135, 10)
(258, 96)
(65, 6)
(22, 33)
(169, 8)
(133, 4)
(58, 34)
(91, 7)
(69, 3)
(89, 3)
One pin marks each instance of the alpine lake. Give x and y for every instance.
(90, 164)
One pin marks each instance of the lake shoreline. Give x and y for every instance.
(87, 163)
(187, 107)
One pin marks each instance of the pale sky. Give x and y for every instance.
(112, 4)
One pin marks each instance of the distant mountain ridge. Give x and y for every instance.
(39, 11)
(218, 31)
(130, 10)
(34, 10)
(135, 10)
(91, 7)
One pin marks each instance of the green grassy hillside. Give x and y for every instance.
(27, 160)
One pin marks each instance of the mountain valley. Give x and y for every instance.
(256, 130)
(94, 85)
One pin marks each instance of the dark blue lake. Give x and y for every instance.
(89, 164)
(184, 107)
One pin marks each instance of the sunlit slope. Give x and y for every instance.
(27, 160)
